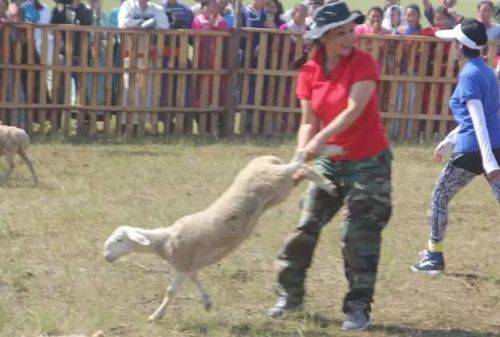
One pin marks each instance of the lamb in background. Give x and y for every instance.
(15, 141)
(203, 238)
(97, 334)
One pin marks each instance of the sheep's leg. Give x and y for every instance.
(171, 291)
(207, 303)
(319, 179)
(24, 156)
(10, 157)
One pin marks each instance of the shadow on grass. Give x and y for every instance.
(401, 330)
(326, 327)
(393, 330)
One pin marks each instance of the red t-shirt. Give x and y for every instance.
(328, 95)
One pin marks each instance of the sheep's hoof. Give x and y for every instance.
(207, 306)
(330, 188)
(155, 317)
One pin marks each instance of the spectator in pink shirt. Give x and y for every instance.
(210, 19)
(373, 24)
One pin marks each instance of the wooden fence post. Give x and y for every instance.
(231, 95)
(265, 85)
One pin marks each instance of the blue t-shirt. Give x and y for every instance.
(113, 17)
(230, 19)
(252, 18)
(476, 81)
(179, 15)
(30, 13)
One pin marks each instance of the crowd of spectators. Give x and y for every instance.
(391, 18)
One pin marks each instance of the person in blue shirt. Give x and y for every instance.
(474, 145)
(228, 12)
(253, 15)
(179, 15)
(113, 16)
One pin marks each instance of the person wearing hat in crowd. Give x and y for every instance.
(474, 145)
(338, 97)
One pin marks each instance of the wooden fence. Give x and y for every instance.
(79, 80)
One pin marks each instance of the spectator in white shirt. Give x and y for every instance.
(147, 15)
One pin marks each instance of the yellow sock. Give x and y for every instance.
(435, 247)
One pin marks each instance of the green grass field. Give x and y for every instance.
(465, 7)
(54, 281)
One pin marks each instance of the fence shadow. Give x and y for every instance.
(401, 330)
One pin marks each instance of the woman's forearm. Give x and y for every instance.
(305, 134)
(339, 124)
(309, 124)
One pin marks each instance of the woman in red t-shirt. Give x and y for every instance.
(337, 91)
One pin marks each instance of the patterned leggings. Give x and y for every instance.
(450, 182)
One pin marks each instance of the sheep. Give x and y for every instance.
(99, 333)
(15, 140)
(205, 237)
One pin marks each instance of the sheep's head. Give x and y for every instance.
(124, 240)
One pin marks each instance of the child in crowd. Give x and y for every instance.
(211, 16)
(274, 11)
(412, 16)
(373, 24)
(228, 13)
(297, 22)
(393, 19)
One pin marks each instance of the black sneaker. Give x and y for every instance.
(283, 306)
(357, 316)
(431, 263)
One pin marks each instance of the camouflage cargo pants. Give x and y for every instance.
(364, 187)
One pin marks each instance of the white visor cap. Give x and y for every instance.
(456, 33)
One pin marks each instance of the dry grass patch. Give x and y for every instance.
(53, 279)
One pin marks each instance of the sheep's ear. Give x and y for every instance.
(139, 238)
